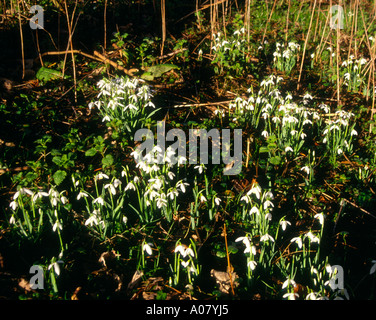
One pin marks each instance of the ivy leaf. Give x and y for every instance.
(59, 176)
(108, 160)
(91, 152)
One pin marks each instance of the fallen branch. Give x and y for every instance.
(2, 171)
(97, 56)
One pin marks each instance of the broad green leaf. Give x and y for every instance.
(275, 160)
(45, 74)
(157, 71)
(59, 176)
(91, 152)
(108, 160)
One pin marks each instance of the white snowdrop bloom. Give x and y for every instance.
(298, 241)
(12, 220)
(172, 193)
(265, 134)
(284, 224)
(288, 282)
(117, 183)
(57, 225)
(307, 96)
(106, 118)
(268, 204)
(303, 135)
(111, 188)
(147, 248)
(266, 237)
(339, 151)
(82, 194)
(252, 265)
(161, 201)
(99, 200)
(354, 132)
(254, 210)
(305, 169)
(320, 217)
(217, 200)
(312, 237)
(256, 190)
(202, 198)
(171, 175)
(13, 205)
(101, 176)
(246, 241)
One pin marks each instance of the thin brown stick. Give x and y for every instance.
(105, 25)
(114, 64)
(163, 16)
(22, 41)
(229, 267)
(270, 16)
(305, 44)
(337, 61)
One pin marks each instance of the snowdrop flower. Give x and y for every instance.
(56, 267)
(339, 151)
(268, 204)
(354, 133)
(247, 243)
(13, 205)
(40, 194)
(202, 198)
(305, 169)
(291, 296)
(111, 187)
(254, 210)
(303, 135)
(256, 190)
(147, 248)
(288, 282)
(171, 175)
(184, 251)
(82, 194)
(217, 200)
(172, 193)
(182, 185)
(101, 176)
(99, 200)
(284, 224)
(266, 237)
(57, 225)
(93, 219)
(298, 241)
(320, 217)
(185, 263)
(252, 265)
(12, 220)
(161, 201)
(106, 118)
(312, 237)
(287, 149)
(130, 186)
(311, 296)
